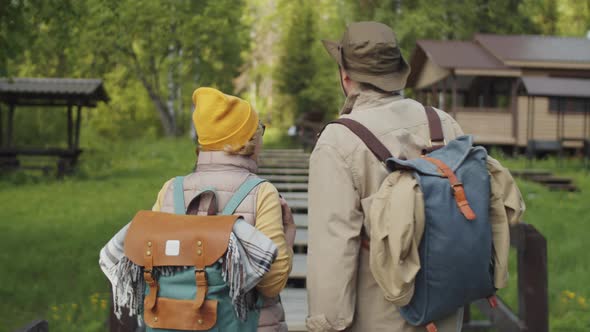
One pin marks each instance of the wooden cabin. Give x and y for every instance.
(508, 90)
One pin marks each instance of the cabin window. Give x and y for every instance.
(568, 105)
(487, 93)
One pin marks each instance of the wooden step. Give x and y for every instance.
(562, 186)
(299, 270)
(287, 178)
(301, 237)
(551, 179)
(290, 187)
(295, 304)
(283, 171)
(300, 220)
(297, 205)
(279, 163)
(529, 172)
(290, 156)
(280, 151)
(295, 196)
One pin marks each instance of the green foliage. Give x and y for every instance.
(446, 19)
(151, 54)
(297, 63)
(306, 76)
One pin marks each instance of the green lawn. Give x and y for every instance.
(51, 232)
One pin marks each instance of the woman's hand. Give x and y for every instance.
(288, 223)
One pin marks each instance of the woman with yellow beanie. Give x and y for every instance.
(230, 140)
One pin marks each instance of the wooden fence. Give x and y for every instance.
(288, 170)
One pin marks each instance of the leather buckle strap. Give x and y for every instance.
(151, 298)
(201, 281)
(456, 185)
(200, 276)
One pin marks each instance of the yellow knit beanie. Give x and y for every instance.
(222, 120)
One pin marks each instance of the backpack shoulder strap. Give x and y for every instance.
(370, 140)
(179, 195)
(241, 194)
(435, 125)
(193, 206)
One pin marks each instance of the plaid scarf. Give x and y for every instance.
(249, 256)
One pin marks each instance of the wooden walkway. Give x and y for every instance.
(288, 171)
(547, 179)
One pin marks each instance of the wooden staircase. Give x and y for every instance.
(288, 171)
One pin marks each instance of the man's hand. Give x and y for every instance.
(288, 223)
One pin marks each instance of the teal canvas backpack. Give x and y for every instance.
(180, 255)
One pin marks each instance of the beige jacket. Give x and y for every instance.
(344, 178)
(261, 209)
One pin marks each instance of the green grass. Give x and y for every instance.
(564, 219)
(51, 232)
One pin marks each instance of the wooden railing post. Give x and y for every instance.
(533, 301)
(533, 306)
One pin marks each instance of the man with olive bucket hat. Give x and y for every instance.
(344, 176)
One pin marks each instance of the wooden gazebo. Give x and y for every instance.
(74, 94)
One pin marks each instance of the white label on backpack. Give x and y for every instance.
(172, 248)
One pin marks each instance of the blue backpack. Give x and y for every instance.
(456, 250)
(187, 298)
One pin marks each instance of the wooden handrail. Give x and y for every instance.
(533, 301)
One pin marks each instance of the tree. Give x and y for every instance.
(168, 45)
(297, 64)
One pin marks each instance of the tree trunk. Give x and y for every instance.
(166, 118)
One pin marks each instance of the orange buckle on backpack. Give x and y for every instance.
(456, 185)
(431, 327)
(493, 301)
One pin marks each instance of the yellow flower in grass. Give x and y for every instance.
(54, 308)
(568, 294)
(582, 301)
(103, 304)
(74, 306)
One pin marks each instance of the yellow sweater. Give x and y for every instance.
(269, 221)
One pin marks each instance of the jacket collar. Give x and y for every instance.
(210, 159)
(367, 98)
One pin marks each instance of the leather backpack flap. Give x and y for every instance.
(163, 239)
(181, 315)
(177, 240)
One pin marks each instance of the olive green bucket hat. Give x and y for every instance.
(369, 53)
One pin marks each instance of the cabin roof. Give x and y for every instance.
(533, 48)
(556, 87)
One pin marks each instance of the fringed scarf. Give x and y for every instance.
(249, 256)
